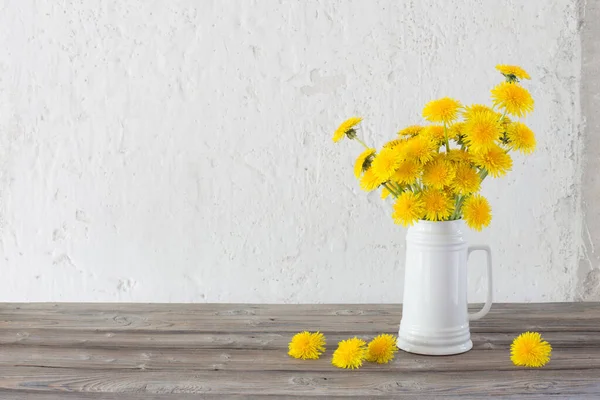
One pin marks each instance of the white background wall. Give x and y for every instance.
(181, 150)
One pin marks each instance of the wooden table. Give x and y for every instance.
(236, 351)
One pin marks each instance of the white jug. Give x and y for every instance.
(435, 319)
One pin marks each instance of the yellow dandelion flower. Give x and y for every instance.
(307, 346)
(350, 353)
(521, 138)
(407, 173)
(420, 149)
(369, 181)
(477, 212)
(394, 143)
(363, 162)
(438, 173)
(408, 209)
(456, 130)
(435, 133)
(459, 156)
(512, 71)
(482, 130)
(473, 109)
(346, 127)
(382, 349)
(385, 164)
(437, 204)
(466, 179)
(410, 131)
(442, 110)
(495, 160)
(512, 98)
(529, 349)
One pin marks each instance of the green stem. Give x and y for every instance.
(361, 142)
(446, 138)
(389, 188)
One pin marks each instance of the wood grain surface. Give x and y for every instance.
(238, 351)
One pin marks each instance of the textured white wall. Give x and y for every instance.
(181, 151)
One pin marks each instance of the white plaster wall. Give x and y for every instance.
(176, 151)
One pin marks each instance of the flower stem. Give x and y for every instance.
(446, 138)
(361, 142)
(389, 188)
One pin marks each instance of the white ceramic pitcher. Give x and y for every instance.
(435, 320)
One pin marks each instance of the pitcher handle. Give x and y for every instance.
(488, 300)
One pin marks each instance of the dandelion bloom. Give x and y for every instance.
(466, 179)
(477, 212)
(437, 204)
(350, 353)
(382, 349)
(495, 161)
(385, 163)
(420, 149)
(473, 109)
(521, 138)
(408, 208)
(512, 98)
(530, 350)
(307, 346)
(363, 162)
(443, 110)
(407, 172)
(436, 133)
(438, 173)
(482, 130)
(345, 127)
(369, 181)
(410, 131)
(511, 71)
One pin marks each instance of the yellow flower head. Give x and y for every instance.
(382, 349)
(530, 350)
(435, 133)
(482, 130)
(456, 130)
(385, 164)
(459, 156)
(512, 71)
(369, 181)
(477, 212)
(345, 127)
(495, 160)
(420, 149)
(363, 162)
(350, 353)
(410, 131)
(473, 109)
(512, 98)
(394, 143)
(407, 173)
(521, 138)
(443, 110)
(307, 345)
(438, 173)
(466, 179)
(438, 205)
(408, 208)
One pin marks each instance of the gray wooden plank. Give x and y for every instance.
(32, 395)
(271, 360)
(91, 338)
(335, 383)
(235, 309)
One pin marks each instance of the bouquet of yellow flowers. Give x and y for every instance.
(435, 171)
